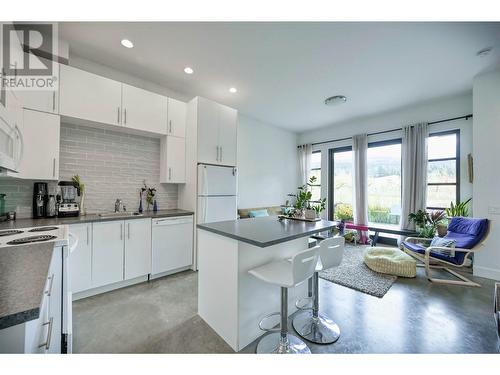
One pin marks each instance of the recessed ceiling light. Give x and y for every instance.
(188, 70)
(335, 100)
(127, 43)
(484, 52)
(232, 90)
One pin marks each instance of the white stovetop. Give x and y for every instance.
(61, 232)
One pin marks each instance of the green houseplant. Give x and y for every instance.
(426, 223)
(459, 209)
(303, 206)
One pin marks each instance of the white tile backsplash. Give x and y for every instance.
(111, 164)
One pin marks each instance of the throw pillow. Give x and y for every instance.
(258, 213)
(444, 242)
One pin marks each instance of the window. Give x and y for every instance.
(443, 170)
(341, 179)
(384, 183)
(316, 171)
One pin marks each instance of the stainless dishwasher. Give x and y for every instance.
(172, 244)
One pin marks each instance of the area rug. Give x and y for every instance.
(353, 273)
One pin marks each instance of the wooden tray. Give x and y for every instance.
(299, 218)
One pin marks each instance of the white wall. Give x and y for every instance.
(267, 163)
(487, 169)
(448, 107)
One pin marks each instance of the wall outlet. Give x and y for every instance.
(494, 210)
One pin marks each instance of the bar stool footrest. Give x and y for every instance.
(268, 316)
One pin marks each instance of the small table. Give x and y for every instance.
(400, 232)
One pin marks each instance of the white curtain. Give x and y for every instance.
(414, 179)
(360, 149)
(305, 156)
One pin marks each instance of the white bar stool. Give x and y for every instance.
(309, 323)
(286, 274)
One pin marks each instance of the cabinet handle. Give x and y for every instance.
(121, 232)
(54, 101)
(125, 116)
(50, 323)
(54, 168)
(217, 157)
(220, 153)
(88, 234)
(118, 115)
(170, 126)
(49, 291)
(169, 173)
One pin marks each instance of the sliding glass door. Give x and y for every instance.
(341, 184)
(384, 184)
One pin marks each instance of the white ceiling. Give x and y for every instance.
(284, 71)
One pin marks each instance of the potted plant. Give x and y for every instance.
(303, 206)
(426, 223)
(459, 209)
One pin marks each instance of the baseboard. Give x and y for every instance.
(486, 272)
(108, 288)
(168, 273)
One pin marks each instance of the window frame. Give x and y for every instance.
(331, 197)
(457, 167)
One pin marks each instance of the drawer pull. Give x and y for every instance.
(49, 291)
(50, 323)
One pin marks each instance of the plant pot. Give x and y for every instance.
(310, 214)
(442, 230)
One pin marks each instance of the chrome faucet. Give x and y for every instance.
(119, 205)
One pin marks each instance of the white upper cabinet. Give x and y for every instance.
(40, 100)
(217, 127)
(208, 131)
(173, 160)
(89, 97)
(176, 118)
(40, 156)
(228, 119)
(144, 110)
(137, 248)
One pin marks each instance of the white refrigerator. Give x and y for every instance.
(217, 193)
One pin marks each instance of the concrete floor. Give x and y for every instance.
(415, 316)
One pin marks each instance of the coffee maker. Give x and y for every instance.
(39, 199)
(69, 206)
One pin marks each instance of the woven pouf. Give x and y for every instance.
(391, 261)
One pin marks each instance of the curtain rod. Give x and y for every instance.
(466, 117)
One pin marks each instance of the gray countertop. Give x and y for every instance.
(27, 223)
(267, 231)
(23, 276)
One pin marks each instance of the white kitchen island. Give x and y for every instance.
(232, 301)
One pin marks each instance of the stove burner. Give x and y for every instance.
(43, 229)
(10, 232)
(25, 240)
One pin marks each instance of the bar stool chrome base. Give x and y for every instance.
(320, 329)
(272, 344)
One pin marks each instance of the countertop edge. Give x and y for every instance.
(19, 317)
(263, 244)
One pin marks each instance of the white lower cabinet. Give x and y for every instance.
(107, 253)
(80, 260)
(137, 248)
(117, 251)
(44, 334)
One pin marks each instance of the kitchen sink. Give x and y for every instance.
(119, 214)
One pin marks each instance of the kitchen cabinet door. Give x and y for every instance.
(208, 131)
(176, 118)
(228, 119)
(55, 302)
(137, 248)
(80, 260)
(144, 110)
(45, 101)
(90, 97)
(173, 160)
(40, 155)
(107, 252)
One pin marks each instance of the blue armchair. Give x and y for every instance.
(468, 234)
